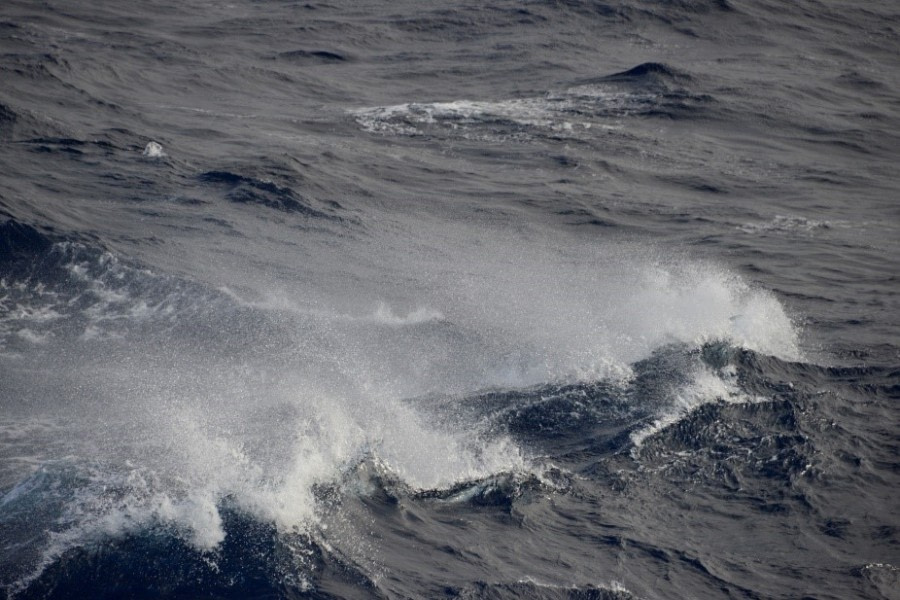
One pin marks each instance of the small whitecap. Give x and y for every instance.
(32, 336)
(153, 150)
(384, 315)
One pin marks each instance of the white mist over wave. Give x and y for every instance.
(256, 399)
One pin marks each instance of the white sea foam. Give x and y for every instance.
(705, 387)
(613, 586)
(99, 291)
(579, 107)
(787, 224)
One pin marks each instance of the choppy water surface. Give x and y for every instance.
(406, 300)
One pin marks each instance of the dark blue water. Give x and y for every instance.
(539, 299)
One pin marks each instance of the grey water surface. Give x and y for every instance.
(535, 299)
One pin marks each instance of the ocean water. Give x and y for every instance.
(536, 299)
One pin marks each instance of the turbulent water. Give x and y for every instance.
(541, 299)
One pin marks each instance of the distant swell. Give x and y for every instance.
(649, 71)
(249, 190)
(21, 242)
